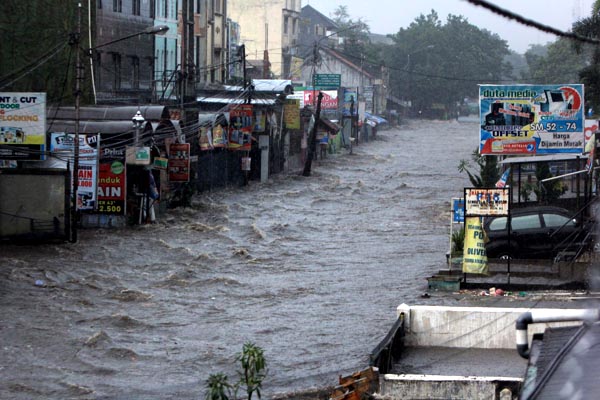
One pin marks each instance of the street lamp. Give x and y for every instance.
(138, 121)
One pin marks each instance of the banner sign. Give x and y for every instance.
(531, 119)
(291, 114)
(240, 127)
(22, 126)
(87, 172)
(328, 102)
(179, 162)
(112, 186)
(474, 254)
(481, 202)
(350, 98)
(458, 210)
(591, 127)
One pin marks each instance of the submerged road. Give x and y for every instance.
(310, 269)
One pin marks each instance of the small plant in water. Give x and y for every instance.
(254, 371)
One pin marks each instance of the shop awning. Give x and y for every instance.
(375, 118)
(329, 126)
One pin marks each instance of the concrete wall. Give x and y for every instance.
(31, 200)
(467, 327)
(448, 387)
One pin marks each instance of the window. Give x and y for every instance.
(218, 6)
(295, 26)
(135, 72)
(118, 5)
(286, 22)
(99, 4)
(152, 8)
(557, 221)
(116, 65)
(136, 9)
(498, 224)
(526, 222)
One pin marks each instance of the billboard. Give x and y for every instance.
(22, 126)
(531, 119)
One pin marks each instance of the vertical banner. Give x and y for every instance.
(87, 173)
(179, 162)
(22, 126)
(291, 114)
(240, 127)
(474, 255)
(112, 183)
(458, 210)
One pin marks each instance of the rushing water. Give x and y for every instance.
(310, 269)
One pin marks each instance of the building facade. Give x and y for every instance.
(269, 30)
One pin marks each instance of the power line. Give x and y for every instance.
(528, 22)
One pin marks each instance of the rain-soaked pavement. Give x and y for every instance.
(309, 269)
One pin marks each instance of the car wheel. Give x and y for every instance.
(506, 255)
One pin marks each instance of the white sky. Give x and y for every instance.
(388, 16)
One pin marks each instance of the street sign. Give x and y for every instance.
(327, 81)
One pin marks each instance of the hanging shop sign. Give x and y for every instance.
(482, 202)
(291, 114)
(531, 119)
(328, 102)
(138, 155)
(62, 145)
(22, 126)
(240, 127)
(179, 162)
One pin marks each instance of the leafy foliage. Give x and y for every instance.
(458, 242)
(488, 173)
(251, 376)
(590, 74)
(437, 65)
(555, 63)
(22, 45)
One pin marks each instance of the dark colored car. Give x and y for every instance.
(537, 232)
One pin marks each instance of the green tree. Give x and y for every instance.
(488, 173)
(590, 74)
(555, 63)
(35, 54)
(356, 43)
(438, 65)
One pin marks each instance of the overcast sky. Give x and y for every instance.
(388, 16)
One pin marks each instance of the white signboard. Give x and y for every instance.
(62, 146)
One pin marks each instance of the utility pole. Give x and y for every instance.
(312, 141)
(75, 41)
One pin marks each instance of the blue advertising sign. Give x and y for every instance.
(458, 210)
(531, 119)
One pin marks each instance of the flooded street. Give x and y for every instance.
(309, 269)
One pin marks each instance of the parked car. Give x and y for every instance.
(537, 232)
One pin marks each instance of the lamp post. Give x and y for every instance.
(138, 120)
(75, 41)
